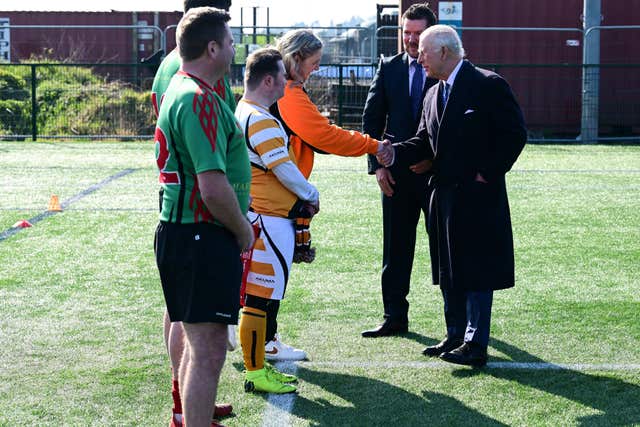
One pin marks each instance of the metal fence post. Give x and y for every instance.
(340, 94)
(590, 74)
(34, 105)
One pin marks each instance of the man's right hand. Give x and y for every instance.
(385, 181)
(386, 153)
(246, 238)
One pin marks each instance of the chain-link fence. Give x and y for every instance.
(49, 101)
(63, 101)
(552, 100)
(341, 44)
(550, 97)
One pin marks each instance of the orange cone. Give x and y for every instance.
(54, 204)
(23, 223)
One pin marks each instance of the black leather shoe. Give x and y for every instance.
(467, 354)
(442, 347)
(386, 329)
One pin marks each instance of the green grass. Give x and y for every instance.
(81, 306)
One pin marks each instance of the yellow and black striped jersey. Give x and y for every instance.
(268, 147)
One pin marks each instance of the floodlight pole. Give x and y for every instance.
(590, 72)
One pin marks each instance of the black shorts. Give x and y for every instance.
(200, 271)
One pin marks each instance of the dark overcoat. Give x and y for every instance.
(480, 130)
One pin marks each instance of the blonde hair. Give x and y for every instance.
(296, 46)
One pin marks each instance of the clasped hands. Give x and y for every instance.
(386, 153)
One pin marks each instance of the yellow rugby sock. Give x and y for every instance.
(253, 329)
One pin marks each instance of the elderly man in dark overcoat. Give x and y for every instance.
(472, 130)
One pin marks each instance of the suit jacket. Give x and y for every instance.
(388, 106)
(481, 130)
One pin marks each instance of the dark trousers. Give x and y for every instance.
(468, 315)
(400, 216)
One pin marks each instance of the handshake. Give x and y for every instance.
(386, 153)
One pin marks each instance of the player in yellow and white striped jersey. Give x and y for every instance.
(279, 194)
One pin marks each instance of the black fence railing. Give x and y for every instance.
(52, 100)
(46, 101)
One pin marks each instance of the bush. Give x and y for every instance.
(103, 109)
(15, 117)
(12, 86)
(72, 101)
(15, 108)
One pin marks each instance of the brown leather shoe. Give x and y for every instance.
(467, 354)
(442, 347)
(386, 329)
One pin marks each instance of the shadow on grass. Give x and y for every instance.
(615, 398)
(365, 401)
(420, 339)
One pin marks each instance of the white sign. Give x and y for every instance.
(144, 33)
(450, 11)
(573, 43)
(5, 40)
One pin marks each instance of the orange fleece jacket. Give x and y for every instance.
(312, 129)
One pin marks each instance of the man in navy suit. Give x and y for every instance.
(472, 130)
(392, 111)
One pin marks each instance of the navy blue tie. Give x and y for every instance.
(416, 89)
(445, 93)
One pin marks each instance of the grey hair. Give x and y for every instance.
(296, 46)
(444, 35)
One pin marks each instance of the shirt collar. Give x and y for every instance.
(454, 73)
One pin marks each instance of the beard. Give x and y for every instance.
(412, 48)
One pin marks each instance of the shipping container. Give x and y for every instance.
(545, 71)
(86, 45)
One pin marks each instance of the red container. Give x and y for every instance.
(115, 45)
(551, 96)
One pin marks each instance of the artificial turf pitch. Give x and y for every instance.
(81, 306)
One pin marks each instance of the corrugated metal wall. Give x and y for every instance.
(551, 96)
(86, 45)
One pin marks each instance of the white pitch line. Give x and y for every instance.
(490, 365)
(43, 215)
(279, 406)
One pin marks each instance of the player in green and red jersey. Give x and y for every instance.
(173, 333)
(211, 119)
(195, 113)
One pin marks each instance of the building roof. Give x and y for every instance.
(85, 10)
(93, 6)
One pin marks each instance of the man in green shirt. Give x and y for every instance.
(205, 174)
(173, 333)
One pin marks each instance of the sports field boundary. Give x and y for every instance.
(279, 406)
(544, 366)
(43, 215)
